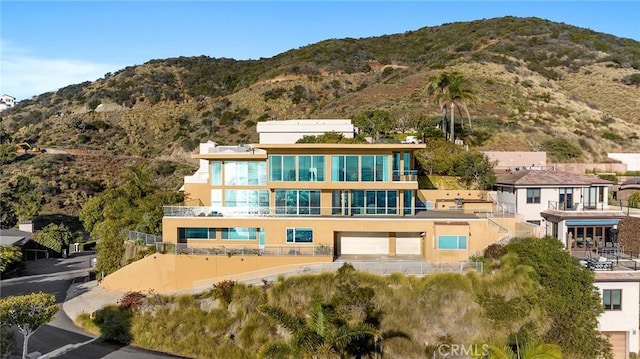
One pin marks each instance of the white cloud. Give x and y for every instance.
(23, 75)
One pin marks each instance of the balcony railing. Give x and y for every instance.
(320, 250)
(213, 211)
(562, 206)
(405, 175)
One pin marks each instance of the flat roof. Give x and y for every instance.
(355, 146)
(618, 276)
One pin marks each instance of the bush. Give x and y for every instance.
(561, 150)
(495, 251)
(224, 290)
(132, 300)
(114, 323)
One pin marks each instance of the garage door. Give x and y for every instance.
(618, 341)
(408, 243)
(364, 243)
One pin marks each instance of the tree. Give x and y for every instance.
(634, 199)
(567, 294)
(374, 122)
(8, 217)
(55, 237)
(28, 313)
(528, 351)
(8, 255)
(324, 334)
(450, 91)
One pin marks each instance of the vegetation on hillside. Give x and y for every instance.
(534, 81)
(531, 292)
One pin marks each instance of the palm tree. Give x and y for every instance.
(529, 351)
(449, 91)
(323, 335)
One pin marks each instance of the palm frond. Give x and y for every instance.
(290, 322)
(277, 350)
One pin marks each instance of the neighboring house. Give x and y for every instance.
(14, 237)
(265, 206)
(512, 160)
(632, 160)
(620, 292)
(7, 101)
(625, 189)
(571, 207)
(289, 131)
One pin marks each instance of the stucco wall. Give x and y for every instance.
(625, 320)
(169, 273)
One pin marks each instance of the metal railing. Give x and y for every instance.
(405, 175)
(320, 250)
(578, 206)
(142, 238)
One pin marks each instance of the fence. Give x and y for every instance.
(276, 251)
(143, 238)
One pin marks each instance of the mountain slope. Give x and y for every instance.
(535, 82)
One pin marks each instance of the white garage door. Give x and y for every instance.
(364, 243)
(408, 243)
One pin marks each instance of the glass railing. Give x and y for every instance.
(405, 175)
(214, 211)
(319, 250)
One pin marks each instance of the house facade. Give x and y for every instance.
(573, 208)
(620, 293)
(263, 208)
(7, 101)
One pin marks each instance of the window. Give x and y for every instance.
(299, 235)
(297, 202)
(216, 173)
(245, 173)
(310, 168)
(249, 198)
(345, 168)
(452, 242)
(566, 198)
(612, 299)
(374, 168)
(240, 233)
(196, 233)
(533, 195)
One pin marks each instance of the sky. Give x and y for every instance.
(46, 45)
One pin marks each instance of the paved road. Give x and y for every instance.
(55, 276)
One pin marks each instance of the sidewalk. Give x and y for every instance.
(88, 297)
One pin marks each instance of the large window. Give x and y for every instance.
(303, 168)
(533, 195)
(364, 202)
(367, 168)
(452, 242)
(240, 233)
(245, 173)
(310, 168)
(612, 299)
(297, 202)
(216, 173)
(196, 233)
(247, 198)
(299, 235)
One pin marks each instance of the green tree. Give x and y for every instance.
(567, 294)
(527, 351)
(55, 237)
(26, 196)
(476, 171)
(8, 255)
(28, 313)
(374, 122)
(634, 199)
(450, 90)
(8, 217)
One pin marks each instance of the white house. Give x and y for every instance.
(620, 293)
(7, 101)
(290, 131)
(571, 207)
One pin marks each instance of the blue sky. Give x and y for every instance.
(46, 45)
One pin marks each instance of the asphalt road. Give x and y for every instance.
(55, 276)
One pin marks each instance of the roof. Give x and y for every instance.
(548, 178)
(617, 276)
(381, 146)
(14, 236)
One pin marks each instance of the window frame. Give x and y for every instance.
(531, 195)
(460, 245)
(294, 231)
(609, 294)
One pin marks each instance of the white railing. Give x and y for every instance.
(320, 250)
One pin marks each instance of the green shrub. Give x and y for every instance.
(561, 150)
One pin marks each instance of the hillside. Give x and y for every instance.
(537, 85)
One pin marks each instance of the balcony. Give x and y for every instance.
(320, 250)
(244, 212)
(577, 207)
(405, 176)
